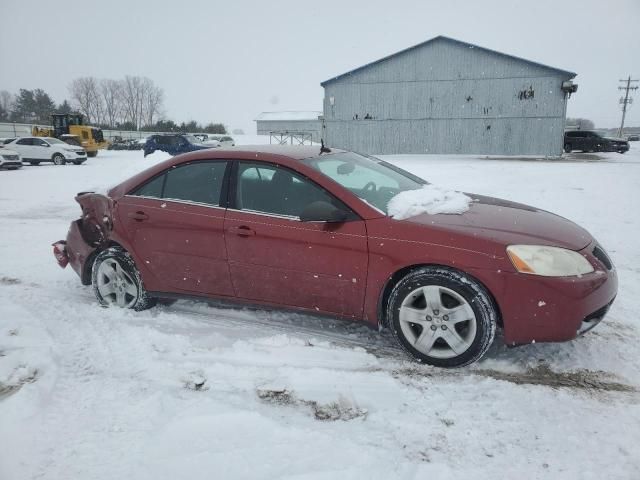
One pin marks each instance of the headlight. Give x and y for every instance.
(548, 261)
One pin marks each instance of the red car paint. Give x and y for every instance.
(341, 269)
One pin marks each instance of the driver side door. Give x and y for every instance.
(276, 258)
(40, 150)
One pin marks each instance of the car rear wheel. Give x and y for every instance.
(442, 317)
(92, 154)
(77, 162)
(567, 147)
(117, 282)
(34, 163)
(58, 159)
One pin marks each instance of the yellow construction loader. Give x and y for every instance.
(70, 128)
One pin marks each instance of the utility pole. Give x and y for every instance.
(626, 100)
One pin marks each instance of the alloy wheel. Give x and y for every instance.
(438, 321)
(115, 285)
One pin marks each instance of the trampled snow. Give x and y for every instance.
(198, 392)
(429, 199)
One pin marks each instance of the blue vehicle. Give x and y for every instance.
(173, 144)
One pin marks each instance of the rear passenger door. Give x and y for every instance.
(24, 146)
(174, 223)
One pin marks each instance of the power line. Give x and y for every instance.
(626, 100)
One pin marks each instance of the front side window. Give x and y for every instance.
(39, 142)
(276, 190)
(370, 178)
(198, 182)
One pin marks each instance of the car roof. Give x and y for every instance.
(295, 152)
(282, 154)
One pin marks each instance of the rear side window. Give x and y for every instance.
(199, 182)
(152, 189)
(25, 141)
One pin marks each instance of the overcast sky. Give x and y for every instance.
(228, 61)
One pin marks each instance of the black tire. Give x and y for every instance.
(58, 159)
(34, 163)
(469, 289)
(78, 162)
(141, 300)
(567, 148)
(92, 154)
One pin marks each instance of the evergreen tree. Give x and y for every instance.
(33, 106)
(64, 107)
(215, 128)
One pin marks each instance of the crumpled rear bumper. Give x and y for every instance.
(74, 251)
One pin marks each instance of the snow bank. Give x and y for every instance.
(428, 199)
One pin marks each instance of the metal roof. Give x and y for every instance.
(289, 116)
(452, 40)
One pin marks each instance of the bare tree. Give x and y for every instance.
(6, 100)
(85, 94)
(153, 102)
(132, 99)
(141, 100)
(111, 92)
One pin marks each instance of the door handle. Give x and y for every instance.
(138, 216)
(242, 231)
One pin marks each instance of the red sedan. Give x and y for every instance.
(295, 227)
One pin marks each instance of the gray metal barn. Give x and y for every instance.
(448, 96)
(283, 125)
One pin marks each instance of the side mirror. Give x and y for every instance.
(322, 212)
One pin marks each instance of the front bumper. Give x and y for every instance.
(555, 309)
(76, 157)
(617, 147)
(10, 164)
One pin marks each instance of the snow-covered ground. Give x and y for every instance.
(198, 392)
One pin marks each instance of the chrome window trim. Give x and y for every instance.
(266, 214)
(177, 200)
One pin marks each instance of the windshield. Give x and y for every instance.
(370, 178)
(53, 140)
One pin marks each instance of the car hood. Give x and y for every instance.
(508, 223)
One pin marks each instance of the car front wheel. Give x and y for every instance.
(117, 282)
(58, 159)
(567, 148)
(442, 317)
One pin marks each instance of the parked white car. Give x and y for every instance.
(223, 140)
(47, 149)
(9, 159)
